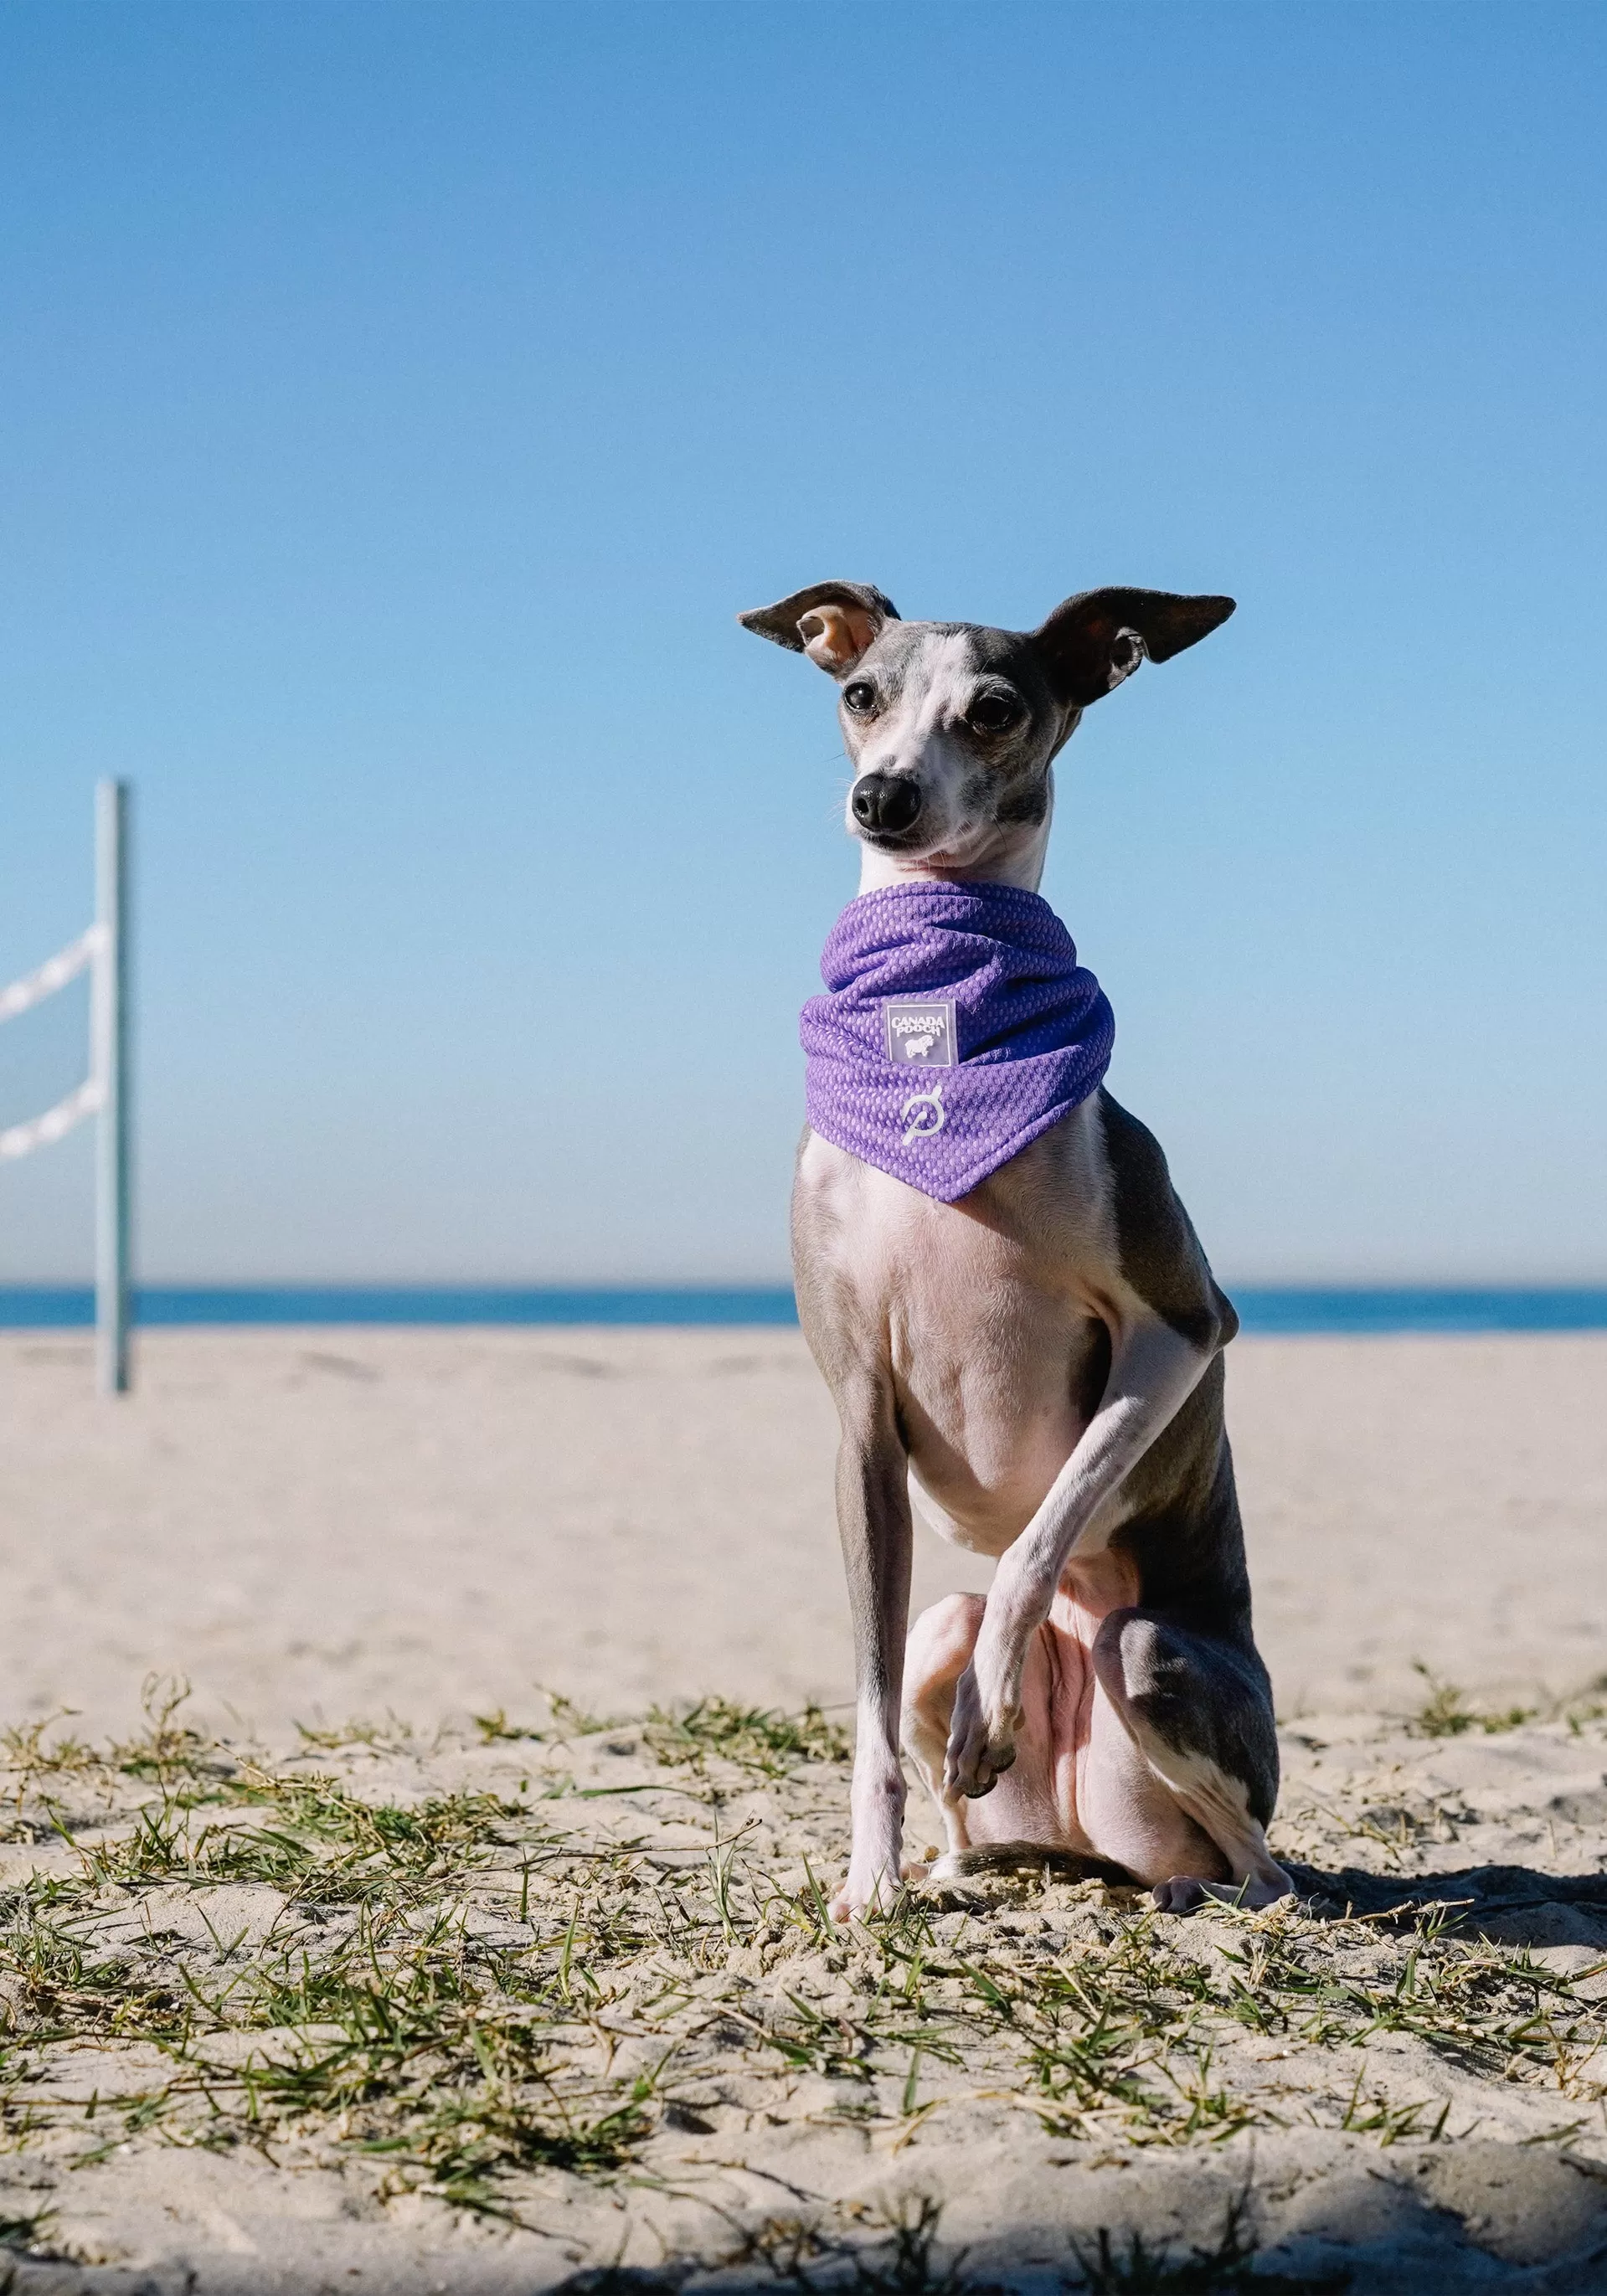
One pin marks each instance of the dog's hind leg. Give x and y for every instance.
(938, 1651)
(1029, 1821)
(1198, 1711)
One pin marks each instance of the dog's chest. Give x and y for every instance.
(990, 1313)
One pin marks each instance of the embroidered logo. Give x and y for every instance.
(923, 1113)
(919, 1033)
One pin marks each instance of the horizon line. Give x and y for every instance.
(512, 1286)
(655, 1285)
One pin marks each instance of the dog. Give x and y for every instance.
(1036, 1366)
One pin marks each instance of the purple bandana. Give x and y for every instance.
(959, 1025)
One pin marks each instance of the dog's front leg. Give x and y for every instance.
(873, 1523)
(1152, 1371)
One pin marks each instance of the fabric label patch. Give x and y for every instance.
(921, 1032)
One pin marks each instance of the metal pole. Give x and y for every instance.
(109, 1030)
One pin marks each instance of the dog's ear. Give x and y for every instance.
(833, 622)
(1091, 642)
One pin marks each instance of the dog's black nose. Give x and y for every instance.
(886, 803)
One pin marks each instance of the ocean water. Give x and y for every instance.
(1286, 1311)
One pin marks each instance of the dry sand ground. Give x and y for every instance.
(337, 1522)
(570, 1983)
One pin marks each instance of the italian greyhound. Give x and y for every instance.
(1037, 1366)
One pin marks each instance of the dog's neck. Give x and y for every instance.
(1016, 859)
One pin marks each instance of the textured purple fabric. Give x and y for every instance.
(941, 1102)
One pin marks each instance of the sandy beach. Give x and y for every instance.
(314, 1525)
(354, 1542)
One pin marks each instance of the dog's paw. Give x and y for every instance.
(982, 1743)
(1184, 1894)
(871, 1890)
(1181, 1895)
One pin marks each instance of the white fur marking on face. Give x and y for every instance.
(934, 675)
(914, 736)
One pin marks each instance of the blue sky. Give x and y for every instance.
(402, 400)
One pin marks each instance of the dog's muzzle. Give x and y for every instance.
(886, 804)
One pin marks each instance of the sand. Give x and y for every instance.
(326, 1524)
(414, 1528)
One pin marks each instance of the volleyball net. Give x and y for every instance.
(102, 950)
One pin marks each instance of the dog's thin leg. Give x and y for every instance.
(873, 1523)
(1152, 1372)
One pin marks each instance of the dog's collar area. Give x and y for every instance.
(979, 982)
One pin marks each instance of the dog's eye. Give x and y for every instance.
(860, 698)
(991, 713)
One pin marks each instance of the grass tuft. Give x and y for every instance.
(1226, 2268)
(574, 1721)
(496, 1729)
(757, 1738)
(26, 2233)
(906, 2266)
(385, 1735)
(1445, 1712)
(167, 1749)
(26, 1755)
